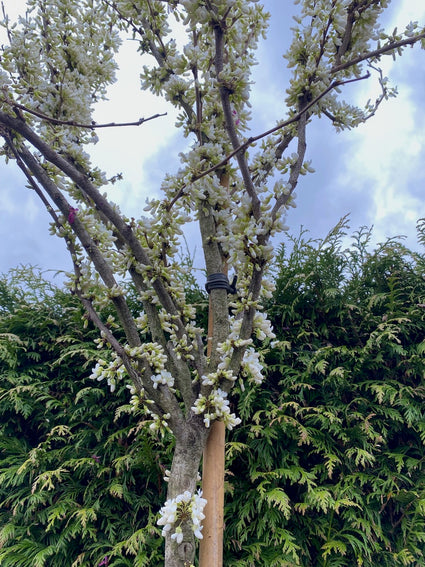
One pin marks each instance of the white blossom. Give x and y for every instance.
(113, 372)
(252, 367)
(164, 377)
(160, 423)
(216, 406)
(174, 509)
(262, 327)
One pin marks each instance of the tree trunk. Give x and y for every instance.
(190, 442)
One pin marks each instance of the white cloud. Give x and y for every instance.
(130, 150)
(383, 158)
(385, 155)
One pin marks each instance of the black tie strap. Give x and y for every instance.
(220, 281)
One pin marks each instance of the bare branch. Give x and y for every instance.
(92, 126)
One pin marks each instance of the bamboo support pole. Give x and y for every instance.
(211, 546)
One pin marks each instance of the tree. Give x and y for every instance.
(58, 63)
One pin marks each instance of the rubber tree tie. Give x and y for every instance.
(220, 281)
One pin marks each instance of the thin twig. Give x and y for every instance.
(91, 126)
(377, 52)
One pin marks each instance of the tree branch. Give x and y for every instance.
(84, 183)
(296, 167)
(22, 157)
(92, 126)
(242, 147)
(160, 54)
(377, 52)
(87, 242)
(230, 126)
(296, 117)
(163, 398)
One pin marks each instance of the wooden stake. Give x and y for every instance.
(211, 546)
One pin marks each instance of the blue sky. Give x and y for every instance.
(374, 173)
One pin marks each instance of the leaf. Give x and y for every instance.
(321, 366)
(361, 456)
(333, 546)
(48, 479)
(277, 497)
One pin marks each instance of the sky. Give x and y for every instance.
(374, 173)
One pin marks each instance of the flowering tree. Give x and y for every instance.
(57, 64)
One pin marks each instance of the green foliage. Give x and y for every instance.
(80, 478)
(328, 468)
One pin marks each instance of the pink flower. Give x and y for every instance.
(235, 114)
(72, 214)
(97, 459)
(105, 561)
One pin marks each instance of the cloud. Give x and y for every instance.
(375, 172)
(384, 157)
(24, 232)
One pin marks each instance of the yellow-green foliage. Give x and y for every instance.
(330, 471)
(78, 483)
(327, 468)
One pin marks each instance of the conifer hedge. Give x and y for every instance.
(326, 469)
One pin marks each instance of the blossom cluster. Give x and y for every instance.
(183, 507)
(251, 366)
(164, 377)
(160, 423)
(262, 327)
(216, 406)
(60, 79)
(113, 371)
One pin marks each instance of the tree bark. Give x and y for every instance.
(190, 442)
